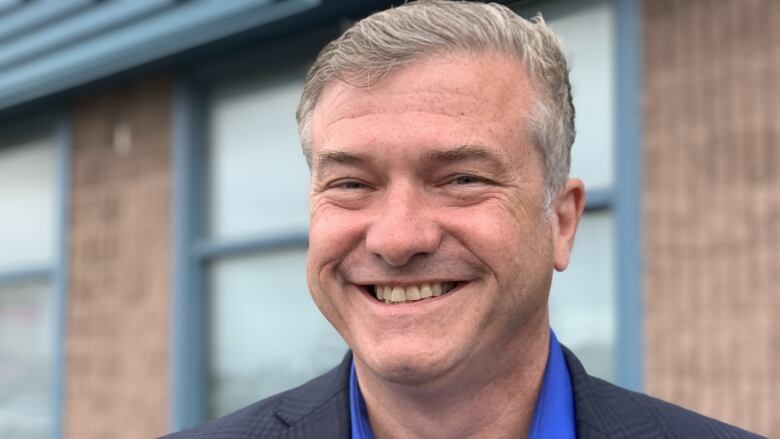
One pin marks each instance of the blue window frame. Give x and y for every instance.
(628, 195)
(221, 238)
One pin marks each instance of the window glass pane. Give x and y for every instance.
(588, 36)
(27, 200)
(582, 300)
(26, 319)
(258, 179)
(266, 334)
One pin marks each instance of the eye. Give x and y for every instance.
(466, 179)
(348, 184)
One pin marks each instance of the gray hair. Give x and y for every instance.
(388, 40)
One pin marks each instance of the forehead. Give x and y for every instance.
(461, 90)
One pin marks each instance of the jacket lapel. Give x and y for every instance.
(606, 411)
(321, 410)
(586, 407)
(330, 420)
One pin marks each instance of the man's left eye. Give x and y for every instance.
(466, 179)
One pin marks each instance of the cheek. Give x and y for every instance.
(512, 243)
(333, 234)
(491, 227)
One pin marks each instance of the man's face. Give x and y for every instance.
(428, 181)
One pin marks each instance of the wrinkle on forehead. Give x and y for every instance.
(420, 86)
(451, 105)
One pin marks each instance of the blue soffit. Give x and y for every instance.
(47, 46)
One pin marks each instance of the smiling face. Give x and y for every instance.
(428, 181)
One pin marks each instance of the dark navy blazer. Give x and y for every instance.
(319, 409)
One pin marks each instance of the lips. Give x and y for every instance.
(396, 294)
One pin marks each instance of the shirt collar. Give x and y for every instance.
(553, 415)
(361, 429)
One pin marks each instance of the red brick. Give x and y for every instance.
(712, 210)
(117, 347)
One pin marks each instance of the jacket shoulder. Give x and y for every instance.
(604, 410)
(238, 424)
(276, 414)
(670, 420)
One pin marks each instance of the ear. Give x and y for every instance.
(567, 208)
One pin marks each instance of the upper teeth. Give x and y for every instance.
(411, 293)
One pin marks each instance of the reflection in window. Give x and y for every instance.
(258, 180)
(585, 29)
(27, 159)
(25, 360)
(582, 299)
(27, 203)
(264, 333)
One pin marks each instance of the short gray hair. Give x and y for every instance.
(386, 41)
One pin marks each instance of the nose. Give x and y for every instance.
(403, 228)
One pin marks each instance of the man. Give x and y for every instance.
(438, 137)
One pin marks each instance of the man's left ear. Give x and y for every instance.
(567, 208)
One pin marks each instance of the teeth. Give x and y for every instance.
(398, 295)
(413, 293)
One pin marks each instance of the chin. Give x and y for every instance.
(406, 364)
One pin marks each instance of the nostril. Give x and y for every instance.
(402, 233)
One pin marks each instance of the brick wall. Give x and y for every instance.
(712, 207)
(118, 304)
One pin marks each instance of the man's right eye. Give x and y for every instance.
(348, 184)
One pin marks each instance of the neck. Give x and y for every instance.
(491, 398)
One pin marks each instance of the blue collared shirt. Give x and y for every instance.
(553, 416)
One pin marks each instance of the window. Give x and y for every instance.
(264, 332)
(27, 299)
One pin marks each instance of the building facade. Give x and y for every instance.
(153, 207)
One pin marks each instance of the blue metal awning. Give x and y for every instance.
(48, 46)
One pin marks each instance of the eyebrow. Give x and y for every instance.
(330, 158)
(469, 152)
